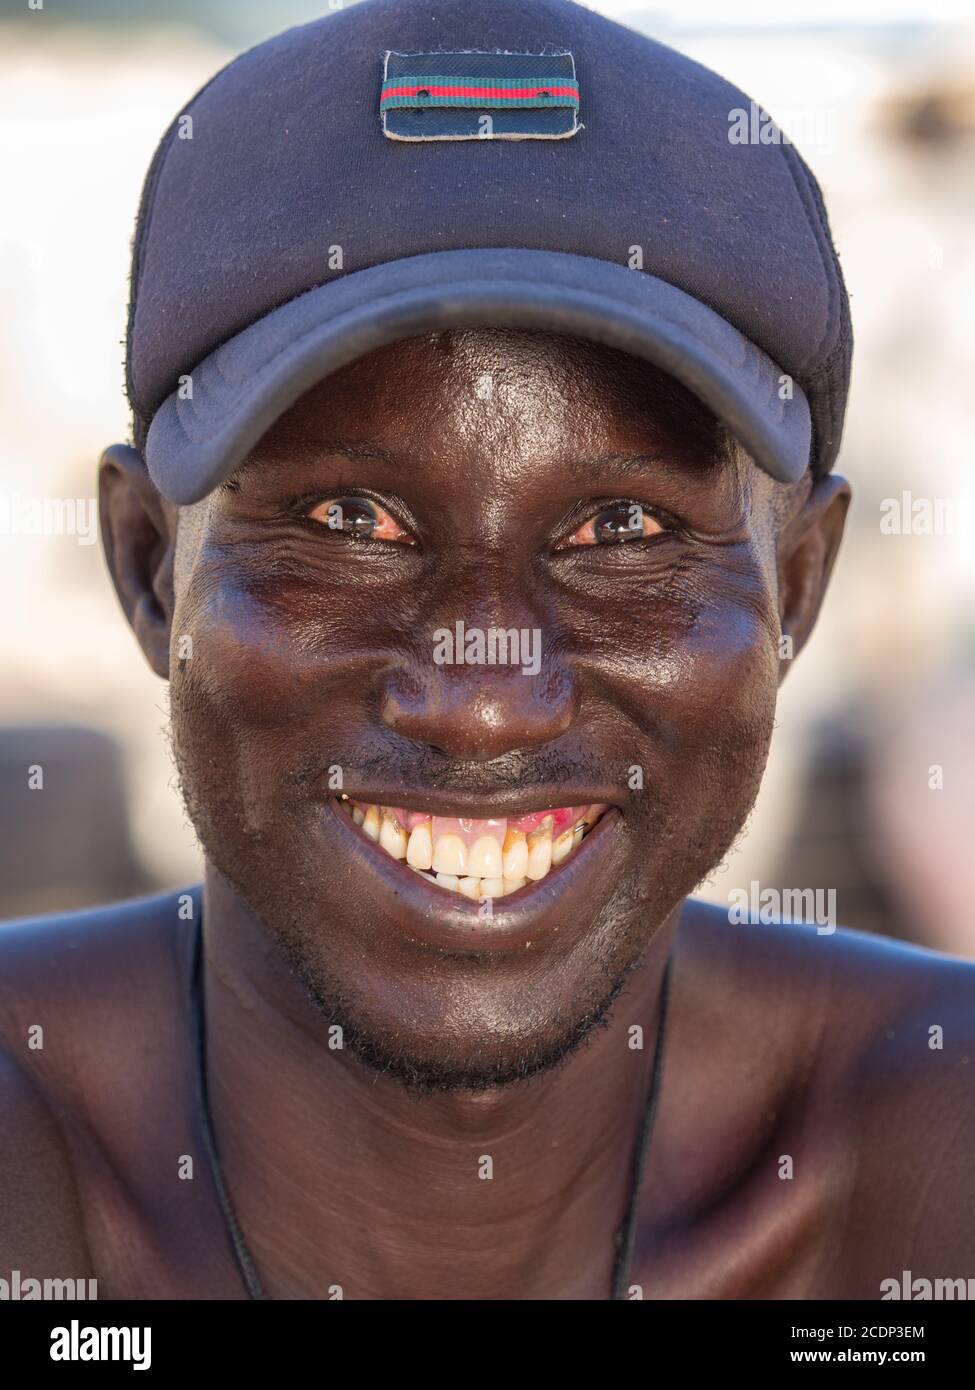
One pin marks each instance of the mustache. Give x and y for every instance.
(413, 768)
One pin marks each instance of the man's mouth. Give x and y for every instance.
(476, 858)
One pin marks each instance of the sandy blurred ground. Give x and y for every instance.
(885, 693)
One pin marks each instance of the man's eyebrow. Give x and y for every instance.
(630, 465)
(363, 449)
(613, 464)
(346, 448)
(581, 467)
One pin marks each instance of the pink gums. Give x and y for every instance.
(562, 818)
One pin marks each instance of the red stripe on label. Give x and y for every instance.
(519, 92)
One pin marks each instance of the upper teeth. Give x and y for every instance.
(515, 854)
(478, 859)
(449, 855)
(419, 851)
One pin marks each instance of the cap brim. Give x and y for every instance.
(202, 432)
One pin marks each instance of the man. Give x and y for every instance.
(486, 398)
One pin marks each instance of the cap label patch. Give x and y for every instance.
(479, 96)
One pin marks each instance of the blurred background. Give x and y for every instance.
(871, 784)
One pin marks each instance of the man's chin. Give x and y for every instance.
(449, 1064)
(466, 1028)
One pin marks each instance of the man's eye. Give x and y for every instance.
(360, 518)
(620, 521)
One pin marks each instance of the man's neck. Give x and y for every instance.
(340, 1176)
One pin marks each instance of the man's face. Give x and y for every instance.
(498, 480)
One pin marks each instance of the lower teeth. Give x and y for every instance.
(476, 888)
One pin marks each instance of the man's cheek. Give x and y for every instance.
(709, 705)
(258, 655)
(732, 663)
(693, 658)
(733, 685)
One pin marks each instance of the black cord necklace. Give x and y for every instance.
(625, 1235)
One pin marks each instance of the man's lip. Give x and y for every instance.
(566, 899)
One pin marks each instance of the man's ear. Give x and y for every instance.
(806, 553)
(138, 529)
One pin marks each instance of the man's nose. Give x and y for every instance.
(478, 693)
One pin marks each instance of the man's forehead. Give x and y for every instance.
(485, 380)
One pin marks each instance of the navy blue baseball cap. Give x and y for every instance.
(404, 166)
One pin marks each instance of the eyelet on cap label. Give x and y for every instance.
(479, 96)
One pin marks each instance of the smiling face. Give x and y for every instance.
(465, 858)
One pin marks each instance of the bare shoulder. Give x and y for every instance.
(910, 1088)
(875, 1041)
(87, 1001)
(846, 990)
(41, 1222)
(65, 975)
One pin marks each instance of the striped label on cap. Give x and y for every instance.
(479, 96)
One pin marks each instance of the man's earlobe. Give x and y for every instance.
(138, 529)
(806, 554)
